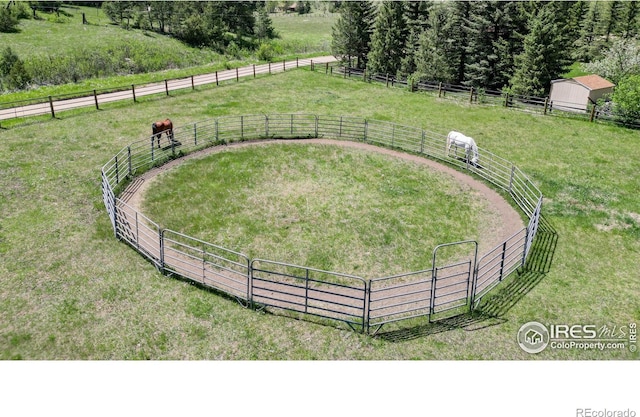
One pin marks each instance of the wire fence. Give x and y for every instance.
(363, 304)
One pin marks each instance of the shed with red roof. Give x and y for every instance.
(577, 93)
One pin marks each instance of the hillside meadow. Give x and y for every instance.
(71, 291)
(64, 56)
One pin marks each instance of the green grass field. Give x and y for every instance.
(298, 203)
(71, 291)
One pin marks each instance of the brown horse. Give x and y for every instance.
(159, 127)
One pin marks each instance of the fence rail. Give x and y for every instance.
(50, 105)
(360, 303)
(592, 112)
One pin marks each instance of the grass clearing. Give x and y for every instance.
(71, 291)
(323, 206)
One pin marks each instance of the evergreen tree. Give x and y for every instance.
(545, 56)
(388, 39)
(461, 14)
(352, 32)
(629, 19)
(160, 12)
(610, 18)
(435, 56)
(492, 31)
(575, 16)
(119, 12)
(587, 46)
(264, 26)
(416, 15)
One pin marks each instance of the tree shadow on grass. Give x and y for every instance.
(490, 310)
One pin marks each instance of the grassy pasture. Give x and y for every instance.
(71, 291)
(51, 43)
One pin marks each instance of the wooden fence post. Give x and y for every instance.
(254, 70)
(439, 90)
(546, 104)
(166, 86)
(95, 97)
(593, 113)
(216, 77)
(193, 87)
(53, 113)
(387, 80)
(471, 95)
(237, 76)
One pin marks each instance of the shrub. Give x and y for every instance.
(8, 20)
(18, 76)
(7, 59)
(265, 52)
(627, 98)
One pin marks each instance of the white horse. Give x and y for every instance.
(459, 140)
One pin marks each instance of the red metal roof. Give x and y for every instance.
(594, 82)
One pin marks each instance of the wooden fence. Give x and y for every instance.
(594, 111)
(51, 105)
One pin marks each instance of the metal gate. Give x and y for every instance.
(425, 293)
(454, 283)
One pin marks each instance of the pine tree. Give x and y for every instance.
(492, 31)
(352, 32)
(587, 46)
(545, 56)
(435, 56)
(461, 14)
(388, 39)
(629, 19)
(417, 16)
(264, 26)
(611, 16)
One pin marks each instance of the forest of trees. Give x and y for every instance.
(510, 45)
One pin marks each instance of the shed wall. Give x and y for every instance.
(569, 95)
